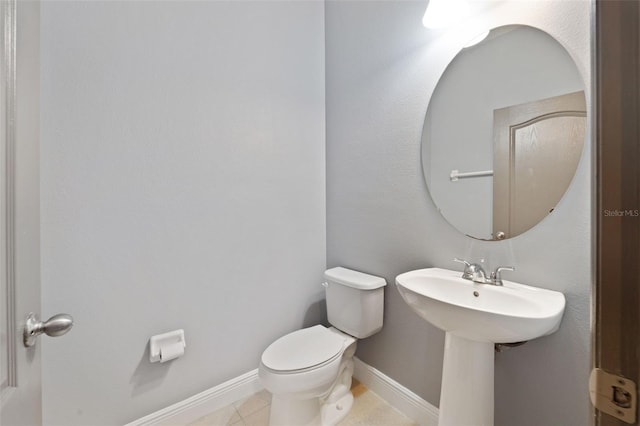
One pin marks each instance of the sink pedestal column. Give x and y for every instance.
(466, 395)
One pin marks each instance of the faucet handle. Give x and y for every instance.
(496, 276)
(466, 264)
(467, 274)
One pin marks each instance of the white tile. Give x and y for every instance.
(226, 416)
(253, 403)
(258, 418)
(370, 410)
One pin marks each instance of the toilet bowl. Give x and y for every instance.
(309, 371)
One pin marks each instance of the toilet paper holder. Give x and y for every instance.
(167, 346)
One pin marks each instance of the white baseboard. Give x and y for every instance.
(399, 397)
(191, 409)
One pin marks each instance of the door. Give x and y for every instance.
(537, 147)
(20, 213)
(617, 211)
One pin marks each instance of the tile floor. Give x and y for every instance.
(368, 410)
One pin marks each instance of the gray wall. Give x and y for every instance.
(382, 67)
(183, 186)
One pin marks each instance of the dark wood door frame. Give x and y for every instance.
(617, 191)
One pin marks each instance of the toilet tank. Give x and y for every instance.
(355, 301)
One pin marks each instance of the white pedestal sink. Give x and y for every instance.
(475, 317)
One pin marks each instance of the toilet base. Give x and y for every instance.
(324, 411)
(332, 413)
(311, 412)
(287, 412)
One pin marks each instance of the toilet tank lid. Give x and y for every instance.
(354, 279)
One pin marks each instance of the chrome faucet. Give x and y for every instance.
(474, 272)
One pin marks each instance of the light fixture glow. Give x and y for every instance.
(441, 13)
(477, 39)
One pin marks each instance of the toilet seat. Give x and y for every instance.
(304, 349)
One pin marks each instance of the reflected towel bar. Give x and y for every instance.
(455, 175)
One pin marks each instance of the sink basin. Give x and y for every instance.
(482, 312)
(475, 317)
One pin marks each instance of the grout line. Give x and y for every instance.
(240, 418)
(251, 412)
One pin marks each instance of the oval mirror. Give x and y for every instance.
(504, 132)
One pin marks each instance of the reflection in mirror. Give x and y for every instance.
(504, 133)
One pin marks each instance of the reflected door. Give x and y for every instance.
(537, 147)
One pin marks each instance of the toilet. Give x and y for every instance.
(308, 372)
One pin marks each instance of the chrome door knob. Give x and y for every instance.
(55, 326)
